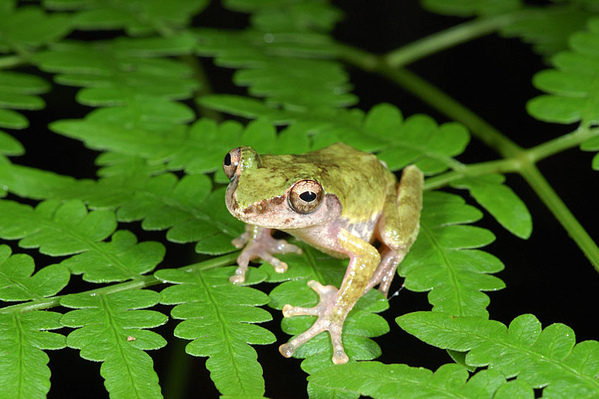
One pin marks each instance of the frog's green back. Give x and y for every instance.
(359, 179)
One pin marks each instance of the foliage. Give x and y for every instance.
(94, 263)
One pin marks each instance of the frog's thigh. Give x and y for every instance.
(399, 225)
(363, 262)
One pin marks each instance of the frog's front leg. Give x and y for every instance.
(258, 243)
(334, 305)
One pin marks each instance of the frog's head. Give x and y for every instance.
(276, 191)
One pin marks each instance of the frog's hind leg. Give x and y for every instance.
(398, 227)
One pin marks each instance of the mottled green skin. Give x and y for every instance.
(358, 179)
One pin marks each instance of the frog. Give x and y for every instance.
(339, 200)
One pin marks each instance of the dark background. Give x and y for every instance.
(546, 275)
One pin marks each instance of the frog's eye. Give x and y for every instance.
(305, 196)
(231, 161)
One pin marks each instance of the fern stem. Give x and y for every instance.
(448, 38)
(561, 212)
(484, 168)
(456, 111)
(142, 282)
(561, 143)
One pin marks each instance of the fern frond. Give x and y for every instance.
(387, 381)
(24, 29)
(548, 358)
(123, 258)
(17, 283)
(218, 317)
(46, 226)
(18, 91)
(117, 72)
(470, 8)
(303, 83)
(25, 336)
(572, 85)
(296, 16)
(136, 17)
(443, 262)
(112, 329)
(501, 202)
(548, 28)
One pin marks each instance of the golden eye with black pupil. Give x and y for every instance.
(305, 196)
(231, 162)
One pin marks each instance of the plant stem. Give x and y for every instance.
(561, 212)
(141, 282)
(561, 143)
(446, 39)
(472, 170)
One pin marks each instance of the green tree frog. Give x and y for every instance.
(338, 200)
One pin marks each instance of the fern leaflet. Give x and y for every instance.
(543, 358)
(25, 336)
(573, 86)
(387, 381)
(111, 329)
(442, 261)
(218, 317)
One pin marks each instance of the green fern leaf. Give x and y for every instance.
(549, 28)
(29, 27)
(388, 381)
(112, 329)
(18, 91)
(543, 358)
(17, 284)
(299, 16)
(515, 389)
(115, 73)
(187, 208)
(417, 139)
(25, 373)
(12, 120)
(501, 201)
(9, 145)
(441, 260)
(136, 17)
(470, 8)
(46, 226)
(39, 184)
(286, 81)
(572, 85)
(219, 318)
(118, 260)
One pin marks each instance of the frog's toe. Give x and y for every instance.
(239, 276)
(279, 265)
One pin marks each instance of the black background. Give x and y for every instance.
(546, 275)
